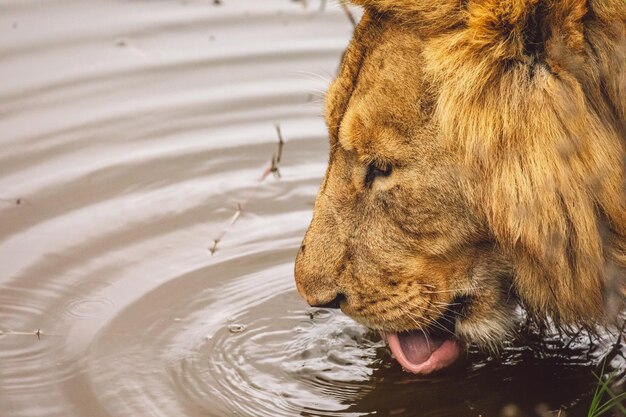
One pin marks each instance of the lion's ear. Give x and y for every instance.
(528, 102)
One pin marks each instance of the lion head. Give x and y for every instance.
(477, 163)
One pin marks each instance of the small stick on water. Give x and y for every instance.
(37, 333)
(348, 13)
(272, 168)
(279, 154)
(213, 248)
(275, 166)
(231, 223)
(16, 201)
(281, 143)
(276, 158)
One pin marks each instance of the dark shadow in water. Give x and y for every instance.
(536, 373)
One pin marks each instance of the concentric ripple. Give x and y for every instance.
(247, 346)
(147, 257)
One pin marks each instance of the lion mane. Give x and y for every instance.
(532, 94)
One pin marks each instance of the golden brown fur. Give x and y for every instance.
(503, 125)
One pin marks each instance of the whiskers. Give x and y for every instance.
(422, 322)
(468, 290)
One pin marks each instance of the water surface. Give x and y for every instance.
(146, 251)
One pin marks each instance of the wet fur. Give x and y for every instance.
(505, 122)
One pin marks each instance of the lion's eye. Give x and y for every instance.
(375, 170)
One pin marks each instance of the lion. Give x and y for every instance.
(477, 165)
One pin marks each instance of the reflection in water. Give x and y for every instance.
(131, 134)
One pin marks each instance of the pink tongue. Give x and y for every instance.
(422, 354)
(418, 348)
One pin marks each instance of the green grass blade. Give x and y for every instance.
(598, 394)
(597, 408)
(606, 407)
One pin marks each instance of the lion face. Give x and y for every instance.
(404, 237)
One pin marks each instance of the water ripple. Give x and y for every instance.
(131, 132)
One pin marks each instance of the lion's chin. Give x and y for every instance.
(422, 353)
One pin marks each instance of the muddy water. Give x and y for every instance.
(136, 134)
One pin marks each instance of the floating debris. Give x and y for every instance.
(348, 13)
(16, 201)
(319, 314)
(233, 220)
(236, 328)
(276, 158)
(213, 248)
(272, 168)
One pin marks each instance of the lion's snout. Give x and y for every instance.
(316, 290)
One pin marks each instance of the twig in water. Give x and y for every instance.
(281, 143)
(276, 158)
(348, 13)
(273, 168)
(232, 221)
(38, 333)
(16, 201)
(213, 248)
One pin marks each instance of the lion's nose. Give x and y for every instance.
(334, 303)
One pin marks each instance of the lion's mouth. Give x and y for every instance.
(423, 353)
(434, 348)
